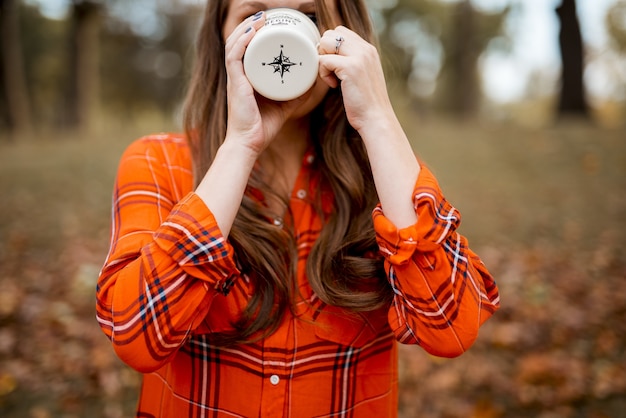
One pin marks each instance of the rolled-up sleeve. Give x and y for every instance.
(442, 290)
(165, 248)
(197, 245)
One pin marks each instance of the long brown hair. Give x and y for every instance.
(343, 268)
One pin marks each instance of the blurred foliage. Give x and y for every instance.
(144, 59)
(147, 73)
(616, 25)
(433, 48)
(46, 55)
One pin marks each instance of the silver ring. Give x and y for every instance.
(339, 40)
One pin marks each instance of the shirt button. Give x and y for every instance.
(301, 194)
(274, 379)
(310, 159)
(278, 222)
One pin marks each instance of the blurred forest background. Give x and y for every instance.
(539, 178)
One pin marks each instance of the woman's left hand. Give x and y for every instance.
(348, 60)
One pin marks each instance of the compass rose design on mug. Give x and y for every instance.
(281, 64)
(297, 37)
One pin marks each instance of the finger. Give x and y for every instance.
(335, 41)
(256, 21)
(331, 43)
(238, 41)
(330, 66)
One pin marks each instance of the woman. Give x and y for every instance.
(267, 262)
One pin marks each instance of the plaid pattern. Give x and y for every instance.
(169, 282)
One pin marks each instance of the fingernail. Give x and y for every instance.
(249, 29)
(257, 15)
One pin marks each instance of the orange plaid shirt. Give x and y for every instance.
(170, 280)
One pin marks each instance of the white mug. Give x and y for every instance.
(281, 61)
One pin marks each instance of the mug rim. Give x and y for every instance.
(314, 30)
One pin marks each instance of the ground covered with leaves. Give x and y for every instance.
(545, 208)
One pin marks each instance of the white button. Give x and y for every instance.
(301, 194)
(274, 379)
(278, 221)
(310, 159)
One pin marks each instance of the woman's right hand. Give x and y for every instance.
(253, 121)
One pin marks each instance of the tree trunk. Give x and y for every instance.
(19, 115)
(464, 91)
(84, 83)
(573, 99)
